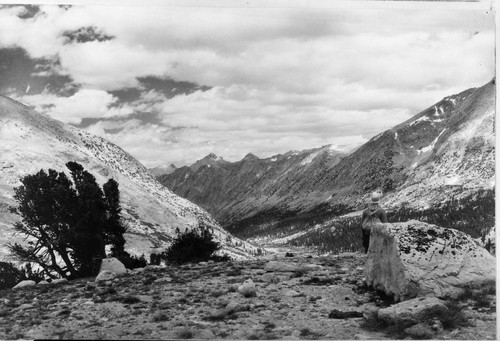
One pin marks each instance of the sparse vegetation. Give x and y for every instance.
(471, 214)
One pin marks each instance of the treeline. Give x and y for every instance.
(275, 222)
(343, 235)
(473, 214)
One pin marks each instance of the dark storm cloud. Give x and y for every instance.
(145, 118)
(20, 74)
(166, 86)
(169, 87)
(27, 11)
(30, 11)
(85, 35)
(127, 94)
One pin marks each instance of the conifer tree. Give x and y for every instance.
(66, 221)
(114, 229)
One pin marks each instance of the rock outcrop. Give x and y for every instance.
(112, 264)
(417, 259)
(413, 311)
(26, 283)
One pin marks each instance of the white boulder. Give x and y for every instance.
(248, 288)
(114, 265)
(105, 275)
(59, 280)
(22, 284)
(417, 259)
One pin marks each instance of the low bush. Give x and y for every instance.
(192, 247)
(9, 275)
(455, 317)
(131, 261)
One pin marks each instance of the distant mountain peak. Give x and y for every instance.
(250, 156)
(213, 156)
(209, 160)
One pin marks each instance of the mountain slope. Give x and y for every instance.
(231, 191)
(445, 151)
(30, 141)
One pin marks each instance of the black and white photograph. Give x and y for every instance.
(247, 170)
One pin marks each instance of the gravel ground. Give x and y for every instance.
(202, 301)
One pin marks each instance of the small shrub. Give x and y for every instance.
(218, 258)
(131, 261)
(191, 246)
(154, 259)
(9, 275)
(455, 317)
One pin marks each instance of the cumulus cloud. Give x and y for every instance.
(84, 103)
(277, 78)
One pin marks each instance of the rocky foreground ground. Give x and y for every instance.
(318, 298)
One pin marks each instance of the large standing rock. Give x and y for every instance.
(114, 265)
(418, 259)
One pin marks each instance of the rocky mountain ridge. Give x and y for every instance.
(446, 151)
(30, 141)
(237, 190)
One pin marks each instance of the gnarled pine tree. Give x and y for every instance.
(67, 223)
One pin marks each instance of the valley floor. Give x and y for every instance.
(202, 301)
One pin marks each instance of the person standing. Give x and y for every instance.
(373, 214)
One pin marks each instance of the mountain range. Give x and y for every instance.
(30, 141)
(446, 151)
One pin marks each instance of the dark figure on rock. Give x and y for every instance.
(372, 215)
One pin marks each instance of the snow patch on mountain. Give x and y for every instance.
(432, 145)
(418, 120)
(452, 181)
(309, 159)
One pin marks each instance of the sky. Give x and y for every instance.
(172, 84)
